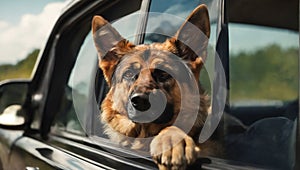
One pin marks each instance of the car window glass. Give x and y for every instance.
(77, 89)
(160, 21)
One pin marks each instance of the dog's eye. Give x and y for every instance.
(160, 75)
(129, 74)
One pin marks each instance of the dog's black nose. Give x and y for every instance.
(140, 101)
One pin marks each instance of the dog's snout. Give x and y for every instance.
(140, 101)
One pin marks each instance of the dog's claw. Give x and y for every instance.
(173, 149)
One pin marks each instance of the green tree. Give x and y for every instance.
(267, 73)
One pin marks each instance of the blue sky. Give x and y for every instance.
(248, 37)
(25, 25)
(12, 10)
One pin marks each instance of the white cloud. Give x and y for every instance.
(3, 25)
(16, 41)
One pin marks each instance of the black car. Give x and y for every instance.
(52, 120)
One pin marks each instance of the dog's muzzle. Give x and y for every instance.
(149, 108)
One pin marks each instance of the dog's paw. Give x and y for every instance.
(173, 149)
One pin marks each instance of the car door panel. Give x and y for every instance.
(30, 152)
(7, 138)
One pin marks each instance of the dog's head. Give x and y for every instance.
(142, 86)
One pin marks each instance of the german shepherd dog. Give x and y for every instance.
(138, 79)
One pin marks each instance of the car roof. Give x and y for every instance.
(274, 13)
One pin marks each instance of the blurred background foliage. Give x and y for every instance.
(269, 73)
(21, 69)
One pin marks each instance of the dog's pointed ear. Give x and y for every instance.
(105, 36)
(110, 46)
(192, 37)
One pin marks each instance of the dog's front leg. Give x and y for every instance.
(173, 149)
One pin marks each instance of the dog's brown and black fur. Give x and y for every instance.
(130, 71)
